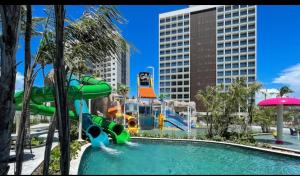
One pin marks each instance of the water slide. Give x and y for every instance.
(94, 126)
(176, 120)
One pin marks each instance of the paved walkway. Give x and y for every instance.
(30, 164)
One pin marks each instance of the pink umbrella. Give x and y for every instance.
(280, 102)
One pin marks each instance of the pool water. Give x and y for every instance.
(157, 157)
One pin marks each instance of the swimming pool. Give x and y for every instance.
(169, 157)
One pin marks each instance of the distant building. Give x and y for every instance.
(206, 45)
(115, 69)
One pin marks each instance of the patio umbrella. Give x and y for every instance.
(280, 102)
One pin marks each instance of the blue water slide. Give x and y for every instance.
(176, 120)
(95, 133)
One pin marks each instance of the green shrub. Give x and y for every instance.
(35, 141)
(54, 167)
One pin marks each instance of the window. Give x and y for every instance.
(251, 79)
(220, 9)
(168, 20)
(186, 43)
(244, 42)
(228, 44)
(235, 65)
(162, 27)
(186, 16)
(228, 51)
(168, 33)
(252, 26)
(220, 81)
(227, 23)
(252, 56)
(162, 21)
(235, 36)
(173, 18)
(227, 73)
(235, 29)
(220, 23)
(227, 80)
(179, 30)
(227, 59)
(220, 52)
(173, 25)
(235, 58)
(173, 44)
(180, 24)
(227, 8)
(180, 17)
(220, 59)
(180, 37)
(243, 20)
(220, 17)
(235, 72)
(251, 11)
(162, 58)
(220, 73)
(243, 64)
(227, 66)
(235, 14)
(235, 43)
(228, 15)
(186, 49)
(251, 64)
(227, 37)
(251, 19)
(235, 21)
(244, 12)
(251, 34)
(235, 6)
(179, 57)
(243, 57)
(167, 26)
(220, 31)
(220, 45)
(251, 49)
(186, 36)
(173, 31)
(235, 51)
(243, 35)
(243, 72)
(220, 38)
(186, 23)
(179, 43)
(186, 29)
(244, 27)
(220, 66)
(186, 56)
(243, 50)
(228, 30)
(186, 76)
(251, 71)
(173, 38)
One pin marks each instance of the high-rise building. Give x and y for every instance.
(205, 45)
(115, 69)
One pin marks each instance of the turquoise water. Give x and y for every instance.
(185, 158)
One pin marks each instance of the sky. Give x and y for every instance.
(278, 46)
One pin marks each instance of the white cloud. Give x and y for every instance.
(266, 93)
(19, 81)
(291, 78)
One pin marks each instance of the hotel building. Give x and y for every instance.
(206, 45)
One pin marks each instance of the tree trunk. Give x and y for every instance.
(60, 92)
(49, 141)
(24, 128)
(10, 15)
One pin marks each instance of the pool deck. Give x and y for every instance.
(30, 165)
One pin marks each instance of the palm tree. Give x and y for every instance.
(210, 98)
(284, 90)
(252, 89)
(10, 16)
(24, 128)
(60, 92)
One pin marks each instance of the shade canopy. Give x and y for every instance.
(286, 101)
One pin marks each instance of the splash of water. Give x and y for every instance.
(109, 150)
(131, 144)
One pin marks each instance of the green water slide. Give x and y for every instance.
(91, 88)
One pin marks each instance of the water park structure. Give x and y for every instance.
(98, 129)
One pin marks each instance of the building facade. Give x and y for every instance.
(206, 45)
(115, 69)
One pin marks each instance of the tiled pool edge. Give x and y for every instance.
(74, 164)
(287, 152)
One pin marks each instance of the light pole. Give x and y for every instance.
(152, 74)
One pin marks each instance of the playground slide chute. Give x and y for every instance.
(94, 89)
